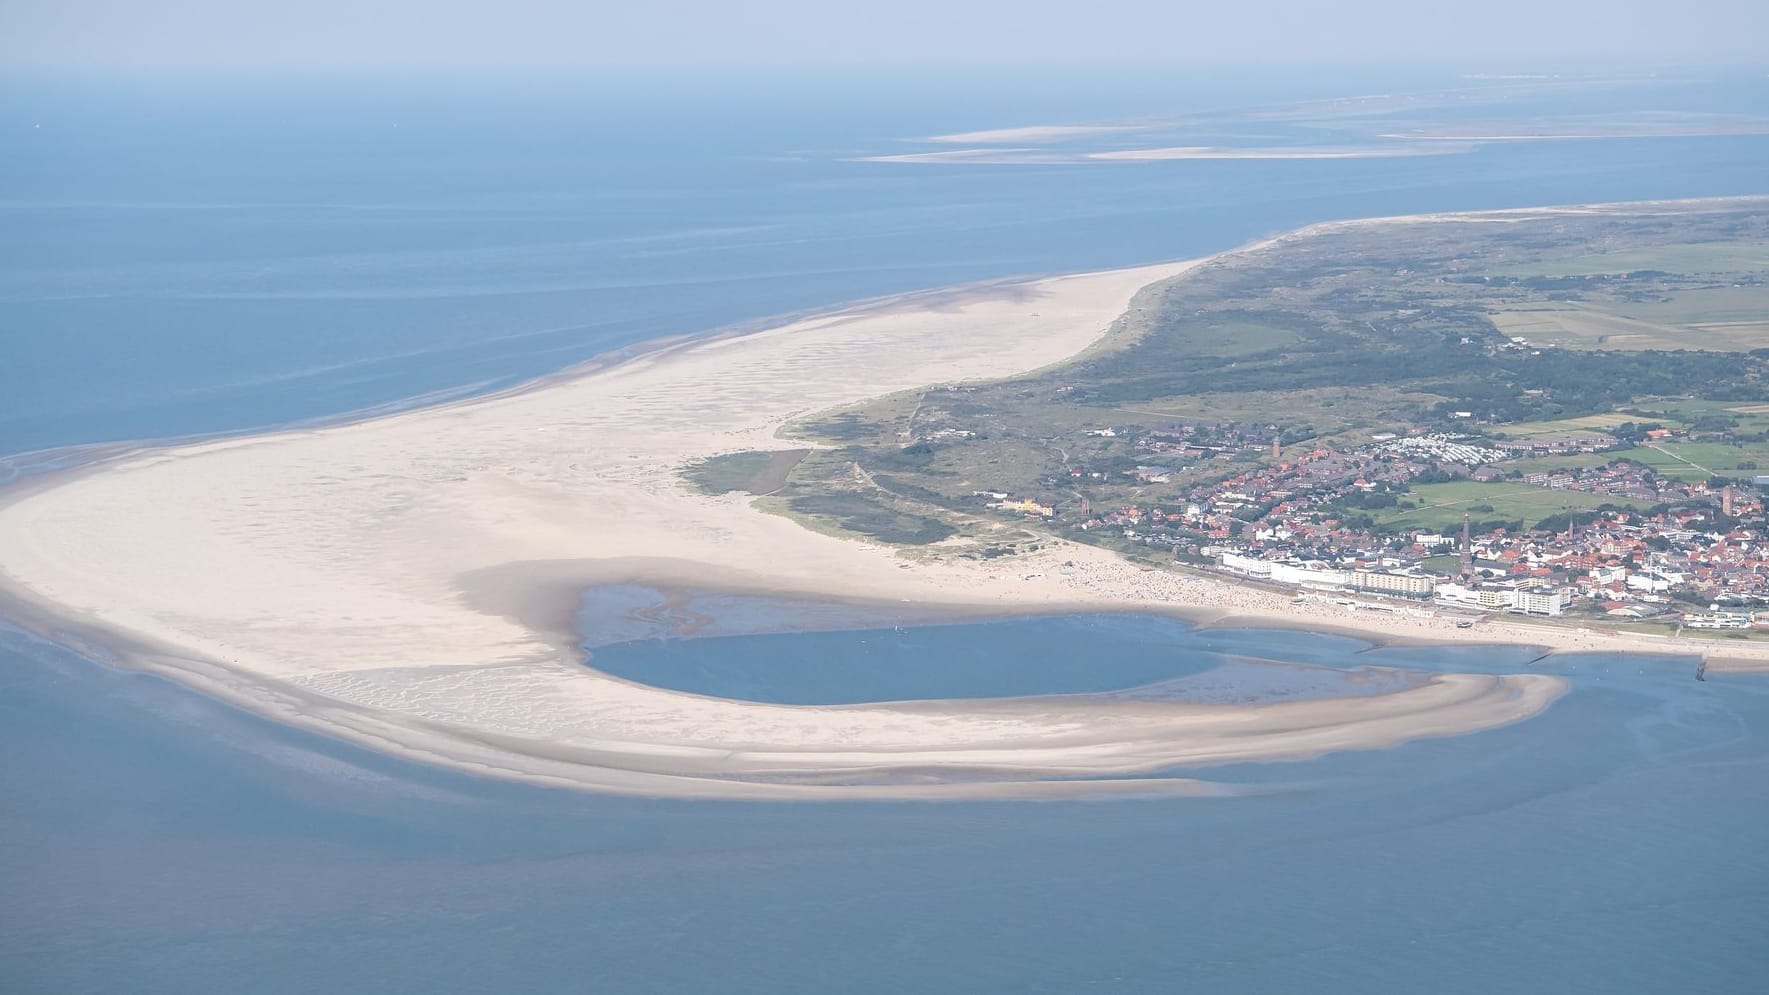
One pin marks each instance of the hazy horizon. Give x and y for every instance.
(798, 35)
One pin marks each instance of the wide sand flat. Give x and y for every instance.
(402, 581)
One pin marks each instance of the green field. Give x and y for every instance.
(1566, 426)
(1440, 506)
(1685, 461)
(1725, 320)
(1571, 461)
(1690, 461)
(1442, 563)
(1745, 418)
(1707, 307)
(1697, 295)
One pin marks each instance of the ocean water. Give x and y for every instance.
(158, 842)
(186, 258)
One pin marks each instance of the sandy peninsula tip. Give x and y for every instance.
(402, 582)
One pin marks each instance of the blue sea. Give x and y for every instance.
(182, 257)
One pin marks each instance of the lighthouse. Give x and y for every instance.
(1467, 551)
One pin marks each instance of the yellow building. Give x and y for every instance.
(1027, 506)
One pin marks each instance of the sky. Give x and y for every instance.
(334, 35)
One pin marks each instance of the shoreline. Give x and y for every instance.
(400, 581)
(552, 606)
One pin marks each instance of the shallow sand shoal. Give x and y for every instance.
(401, 581)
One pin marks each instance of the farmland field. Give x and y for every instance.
(1700, 460)
(1685, 461)
(1687, 321)
(1570, 461)
(1566, 426)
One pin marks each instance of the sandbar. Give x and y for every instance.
(405, 582)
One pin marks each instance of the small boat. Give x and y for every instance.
(1466, 623)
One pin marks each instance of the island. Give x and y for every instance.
(408, 582)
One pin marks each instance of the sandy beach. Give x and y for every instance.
(406, 582)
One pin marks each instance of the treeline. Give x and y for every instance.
(1573, 383)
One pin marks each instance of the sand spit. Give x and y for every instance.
(402, 582)
(1035, 134)
(1169, 153)
(1011, 155)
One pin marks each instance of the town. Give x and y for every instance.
(1614, 539)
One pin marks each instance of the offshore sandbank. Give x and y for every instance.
(403, 582)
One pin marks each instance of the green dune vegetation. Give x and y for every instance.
(1504, 330)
